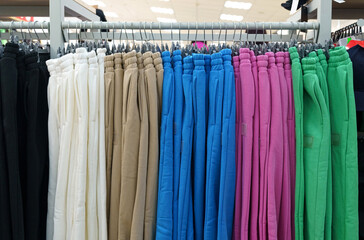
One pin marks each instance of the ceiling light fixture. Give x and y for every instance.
(162, 10)
(111, 14)
(229, 17)
(94, 2)
(339, 1)
(164, 0)
(167, 20)
(238, 5)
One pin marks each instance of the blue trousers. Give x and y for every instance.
(227, 172)
(185, 208)
(216, 92)
(165, 184)
(178, 109)
(199, 91)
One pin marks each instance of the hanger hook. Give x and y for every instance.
(256, 32)
(140, 31)
(36, 34)
(160, 33)
(11, 29)
(41, 25)
(126, 34)
(151, 32)
(204, 32)
(247, 32)
(196, 34)
(212, 33)
(188, 31)
(21, 30)
(132, 34)
(219, 33)
(179, 32)
(225, 33)
(145, 32)
(113, 31)
(241, 33)
(171, 32)
(234, 32)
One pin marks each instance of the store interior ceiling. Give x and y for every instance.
(192, 10)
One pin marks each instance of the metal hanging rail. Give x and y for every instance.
(167, 26)
(192, 25)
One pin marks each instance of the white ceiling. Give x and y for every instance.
(192, 10)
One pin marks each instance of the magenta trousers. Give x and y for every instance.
(241, 229)
(275, 156)
(254, 206)
(264, 133)
(284, 224)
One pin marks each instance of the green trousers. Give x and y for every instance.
(321, 71)
(316, 151)
(297, 82)
(344, 152)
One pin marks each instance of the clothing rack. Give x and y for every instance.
(348, 31)
(147, 31)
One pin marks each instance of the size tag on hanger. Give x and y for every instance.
(294, 7)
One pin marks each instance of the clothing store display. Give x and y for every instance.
(241, 140)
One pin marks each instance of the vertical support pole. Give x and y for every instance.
(56, 15)
(324, 17)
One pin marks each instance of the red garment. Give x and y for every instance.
(353, 43)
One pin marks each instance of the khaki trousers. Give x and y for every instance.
(130, 146)
(153, 155)
(137, 225)
(116, 156)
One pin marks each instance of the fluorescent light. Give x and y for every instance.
(229, 17)
(164, 0)
(167, 20)
(94, 2)
(238, 5)
(339, 1)
(111, 14)
(162, 10)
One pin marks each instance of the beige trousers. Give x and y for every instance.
(137, 225)
(130, 145)
(109, 76)
(116, 157)
(153, 155)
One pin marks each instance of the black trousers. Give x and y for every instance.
(8, 82)
(37, 161)
(24, 160)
